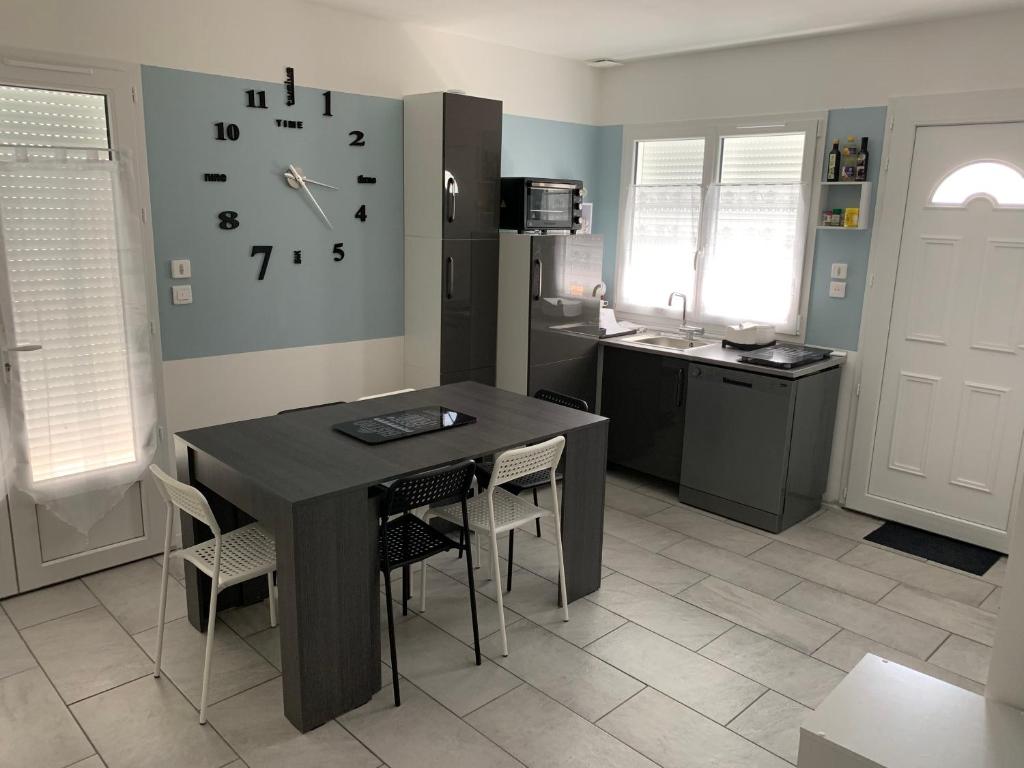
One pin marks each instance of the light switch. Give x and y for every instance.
(181, 294)
(183, 268)
(837, 289)
(839, 271)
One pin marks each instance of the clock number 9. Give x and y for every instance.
(228, 219)
(228, 131)
(339, 251)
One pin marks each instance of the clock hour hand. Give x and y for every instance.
(291, 178)
(302, 183)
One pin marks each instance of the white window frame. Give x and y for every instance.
(712, 131)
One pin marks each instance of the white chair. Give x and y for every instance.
(385, 394)
(229, 558)
(496, 511)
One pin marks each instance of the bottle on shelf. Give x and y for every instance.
(861, 169)
(848, 166)
(834, 161)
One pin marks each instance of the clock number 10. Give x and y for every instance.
(226, 131)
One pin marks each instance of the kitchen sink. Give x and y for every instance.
(671, 342)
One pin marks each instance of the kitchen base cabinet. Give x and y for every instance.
(644, 395)
(756, 447)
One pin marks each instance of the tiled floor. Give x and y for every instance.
(707, 645)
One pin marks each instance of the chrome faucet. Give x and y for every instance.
(690, 331)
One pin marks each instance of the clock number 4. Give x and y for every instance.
(339, 251)
(361, 213)
(264, 251)
(256, 99)
(226, 131)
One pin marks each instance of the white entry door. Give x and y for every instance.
(944, 447)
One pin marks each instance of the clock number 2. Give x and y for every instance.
(226, 131)
(361, 213)
(358, 139)
(339, 251)
(264, 251)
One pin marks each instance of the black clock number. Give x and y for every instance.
(339, 251)
(256, 99)
(361, 213)
(228, 219)
(358, 139)
(264, 251)
(327, 104)
(226, 131)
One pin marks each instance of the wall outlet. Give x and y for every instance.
(183, 268)
(181, 294)
(837, 289)
(838, 271)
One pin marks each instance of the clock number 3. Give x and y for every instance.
(264, 251)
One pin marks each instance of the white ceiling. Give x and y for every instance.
(628, 29)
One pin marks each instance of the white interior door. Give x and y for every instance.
(943, 448)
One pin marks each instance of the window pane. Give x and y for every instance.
(34, 117)
(762, 158)
(1001, 183)
(670, 161)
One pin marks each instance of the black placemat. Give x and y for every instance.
(931, 546)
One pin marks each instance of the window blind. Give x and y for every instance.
(762, 158)
(670, 161)
(38, 118)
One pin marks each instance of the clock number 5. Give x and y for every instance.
(264, 251)
(226, 131)
(339, 251)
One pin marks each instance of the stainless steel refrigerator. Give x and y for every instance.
(549, 289)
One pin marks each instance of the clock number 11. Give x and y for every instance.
(256, 99)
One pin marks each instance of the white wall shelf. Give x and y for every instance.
(864, 204)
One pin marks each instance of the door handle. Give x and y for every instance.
(679, 388)
(540, 279)
(737, 382)
(24, 348)
(449, 288)
(451, 187)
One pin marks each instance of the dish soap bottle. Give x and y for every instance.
(834, 160)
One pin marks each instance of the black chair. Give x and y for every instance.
(404, 539)
(309, 407)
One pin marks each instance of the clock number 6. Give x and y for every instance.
(361, 213)
(262, 250)
(339, 251)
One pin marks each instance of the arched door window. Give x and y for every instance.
(1000, 182)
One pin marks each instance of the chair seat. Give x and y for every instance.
(526, 482)
(411, 540)
(245, 553)
(509, 512)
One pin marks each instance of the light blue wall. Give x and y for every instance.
(548, 148)
(319, 301)
(836, 322)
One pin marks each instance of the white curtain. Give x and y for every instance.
(752, 254)
(659, 241)
(81, 411)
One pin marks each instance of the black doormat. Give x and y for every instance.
(932, 546)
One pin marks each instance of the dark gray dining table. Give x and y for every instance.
(315, 489)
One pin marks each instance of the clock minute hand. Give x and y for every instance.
(302, 183)
(289, 175)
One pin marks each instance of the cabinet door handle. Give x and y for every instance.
(737, 382)
(450, 278)
(679, 388)
(451, 188)
(540, 279)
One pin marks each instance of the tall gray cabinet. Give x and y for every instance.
(452, 193)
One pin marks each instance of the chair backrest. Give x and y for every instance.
(309, 407)
(420, 490)
(385, 394)
(519, 462)
(559, 399)
(185, 497)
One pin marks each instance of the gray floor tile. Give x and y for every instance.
(652, 569)
(843, 522)
(542, 733)
(872, 621)
(918, 573)
(421, 733)
(253, 723)
(703, 685)
(777, 666)
(997, 573)
(631, 501)
(741, 540)
(49, 603)
(149, 724)
(767, 617)
(177, 567)
(846, 649)
(824, 570)
(728, 566)
(659, 489)
(625, 478)
(773, 722)
(676, 737)
(132, 594)
(86, 652)
(446, 669)
(93, 762)
(644, 534)
(582, 682)
(14, 655)
(992, 602)
(806, 536)
(680, 622)
(268, 644)
(964, 657)
(247, 620)
(36, 729)
(964, 620)
(234, 667)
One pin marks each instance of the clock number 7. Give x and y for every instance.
(263, 250)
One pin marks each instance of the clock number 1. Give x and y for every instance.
(262, 250)
(256, 99)
(228, 131)
(327, 104)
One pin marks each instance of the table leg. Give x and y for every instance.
(586, 458)
(329, 603)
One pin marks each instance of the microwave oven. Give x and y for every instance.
(541, 205)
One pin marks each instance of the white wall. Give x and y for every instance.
(847, 70)
(329, 48)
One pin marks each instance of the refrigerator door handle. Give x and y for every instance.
(540, 279)
(449, 287)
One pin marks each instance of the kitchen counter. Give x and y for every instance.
(713, 353)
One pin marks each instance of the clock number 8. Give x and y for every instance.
(228, 219)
